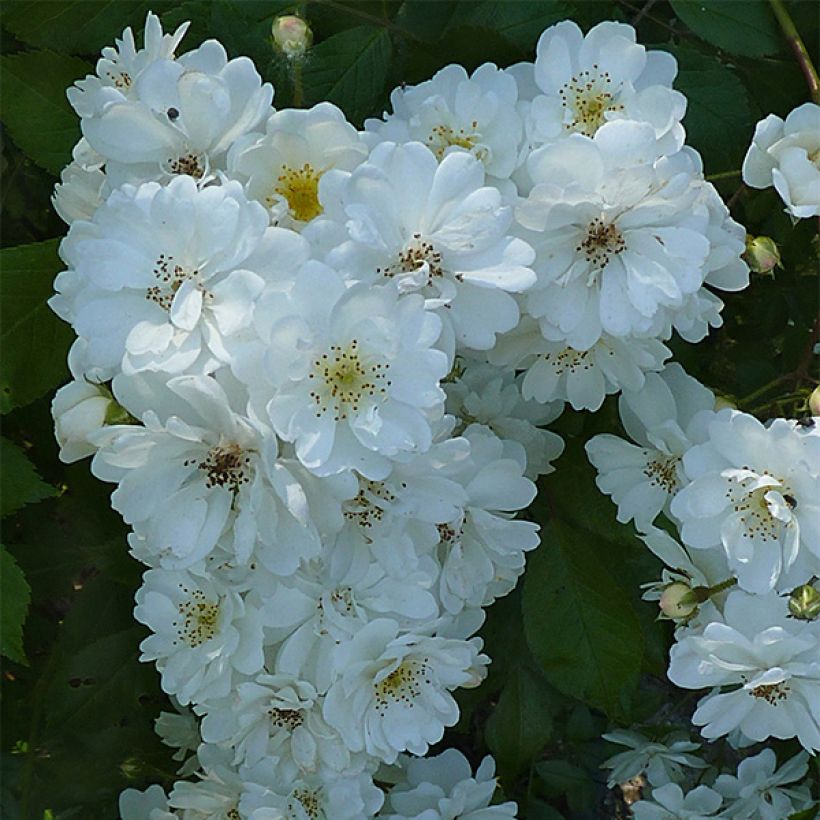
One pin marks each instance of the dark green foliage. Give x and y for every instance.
(575, 650)
(15, 595)
(31, 333)
(35, 109)
(746, 27)
(20, 483)
(350, 70)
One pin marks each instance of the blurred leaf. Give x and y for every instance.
(718, 116)
(15, 595)
(562, 778)
(349, 69)
(91, 536)
(26, 208)
(19, 482)
(579, 621)
(74, 26)
(539, 810)
(521, 724)
(35, 342)
(100, 684)
(520, 22)
(424, 20)
(746, 27)
(35, 109)
(807, 814)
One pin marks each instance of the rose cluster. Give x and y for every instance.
(316, 363)
(740, 584)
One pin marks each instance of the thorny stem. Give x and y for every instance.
(798, 47)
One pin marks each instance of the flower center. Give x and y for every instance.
(602, 241)
(418, 256)
(772, 693)
(402, 685)
(362, 509)
(189, 164)
(311, 801)
(120, 79)
(341, 599)
(289, 719)
(227, 466)
(170, 277)
(346, 380)
(300, 187)
(442, 137)
(663, 472)
(199, 618)
(753, 508)
(587, 98)
(569, 360)
(448, 534)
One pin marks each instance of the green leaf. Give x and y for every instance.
(426, 21)
(562, 778)
(19, 482)
(15, 595)
(76, 26)
(719, 117)
(35, 342)
(35, 109)
(521, 723)
(807, 814)
(579, 621)
(746, 27)
(519, 22)
(100, 684)
(349, 69)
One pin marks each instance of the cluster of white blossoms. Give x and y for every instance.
(741, 586)
(316, 363)
(786, 155)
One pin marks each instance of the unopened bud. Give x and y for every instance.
(804, 603)
(814, 402)
(292, 36)
(762, 254)
(678, 602)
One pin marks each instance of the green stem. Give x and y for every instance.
(798, 47)
(723, 175)
(298, 93)
(762, 390)
(729, 582)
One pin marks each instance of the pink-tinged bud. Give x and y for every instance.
(292, 36)
(814, 402)
(678, 602)
(762, 254)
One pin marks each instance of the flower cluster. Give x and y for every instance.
(745, 498)
(740, 586)
(317, 363)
